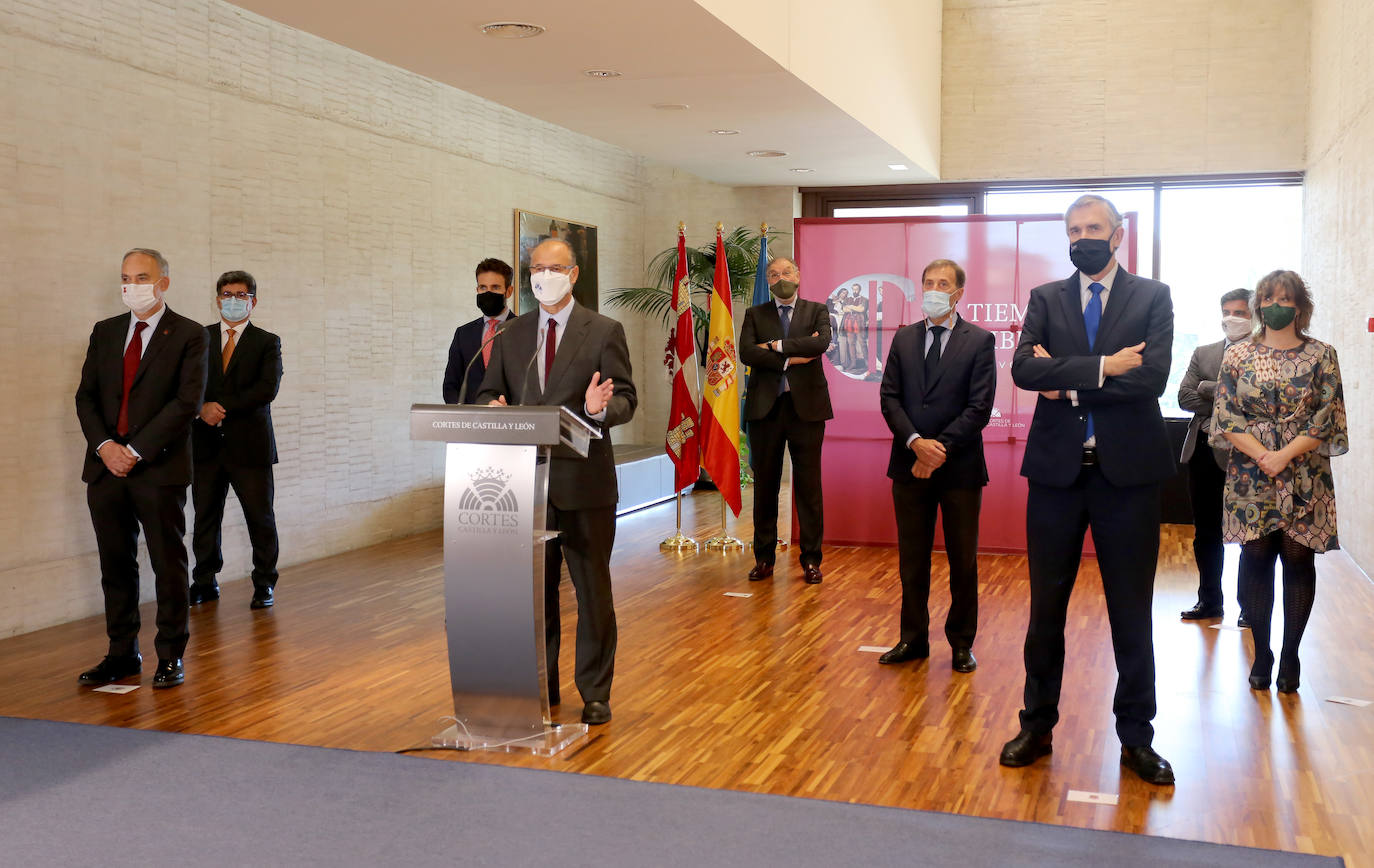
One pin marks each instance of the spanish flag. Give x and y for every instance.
(720, 393)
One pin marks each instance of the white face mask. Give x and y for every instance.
(550, 287)
(935, 304)
(139, 297)
(1236, 327)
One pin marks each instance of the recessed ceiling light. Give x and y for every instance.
(767, 153)
(897, 167)
(801, 171)
(671, 106)
(724, 132)
(512, 29)
(601, 73)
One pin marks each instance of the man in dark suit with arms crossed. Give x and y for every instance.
(565, 355)
(233, 441)
(1097, 348)
(936, 396)
(472, 344)
(141, 385)
(786, 404)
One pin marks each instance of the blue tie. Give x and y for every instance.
(784, 311)
(1092, 318)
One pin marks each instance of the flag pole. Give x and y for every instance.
(679, 541)
(724, 542)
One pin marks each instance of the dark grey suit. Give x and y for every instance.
(1206, 470)
(582, 491)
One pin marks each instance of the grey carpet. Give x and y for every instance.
(89, 795)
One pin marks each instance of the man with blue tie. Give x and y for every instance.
(1097, 348)
(786, 405)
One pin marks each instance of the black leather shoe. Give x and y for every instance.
(1259, 682)
(112, 669)
(812, 576)
(596, 712)
(262, 599)
(1201, 613)
(964, 661)
(1148, 765)
(204, 592)
(1025, 749)
(169, 673)
(1287, 682)
(904, 651)
(760, 572)
(1243, 622)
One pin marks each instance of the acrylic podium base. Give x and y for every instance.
(553, 740)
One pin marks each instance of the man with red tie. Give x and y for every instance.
(562, 354)
(141, 385)
(470, 351)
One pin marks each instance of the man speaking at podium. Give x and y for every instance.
(565, 355)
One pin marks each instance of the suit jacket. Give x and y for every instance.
(810, 392)
(1195, 393)
(164, 398)
(246, 390)
(1132, 443)
(953, 408)
(590, 343)
(466, 346)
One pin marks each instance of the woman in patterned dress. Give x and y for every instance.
(1279, 405)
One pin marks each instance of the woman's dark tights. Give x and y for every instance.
(1256, 590)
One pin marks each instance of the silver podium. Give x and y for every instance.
(496, 484)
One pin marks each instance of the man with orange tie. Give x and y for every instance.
(470, 351)
(234, 443)
(141, 385)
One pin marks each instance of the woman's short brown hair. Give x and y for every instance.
(1297, 291)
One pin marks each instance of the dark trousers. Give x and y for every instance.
(1125, 528)
(253, 486)
(587, 537)
(118, 507)
(914, 504)
(780, 429)
(1205, 483)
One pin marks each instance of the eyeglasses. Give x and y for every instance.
(242, 296)
(556, 269)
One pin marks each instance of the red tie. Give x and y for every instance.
(487, 335)
(550, 347)
(133, 354)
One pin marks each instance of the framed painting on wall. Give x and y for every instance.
(530, 229)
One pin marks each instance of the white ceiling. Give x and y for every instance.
(667, 51)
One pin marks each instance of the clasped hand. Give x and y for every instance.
(119, 460)
(1273, 463)
(212, 412)
(930, 454)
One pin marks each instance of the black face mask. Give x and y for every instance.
(491, 303)
(1090, 255)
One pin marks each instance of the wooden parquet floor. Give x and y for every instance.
(771, 693)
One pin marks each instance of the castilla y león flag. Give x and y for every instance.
(681, 441)
(720, 392)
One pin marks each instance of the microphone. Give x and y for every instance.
(500, 327)
(543, 335)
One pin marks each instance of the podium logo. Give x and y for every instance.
(489, 492)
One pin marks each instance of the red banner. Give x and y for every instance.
(720, 394)
(868, 271)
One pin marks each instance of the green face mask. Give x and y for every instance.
(783, 289)
(1276, 316)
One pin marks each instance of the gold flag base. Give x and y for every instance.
(724, 542)
(677, 542)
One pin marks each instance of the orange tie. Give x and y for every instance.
(228, 350)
